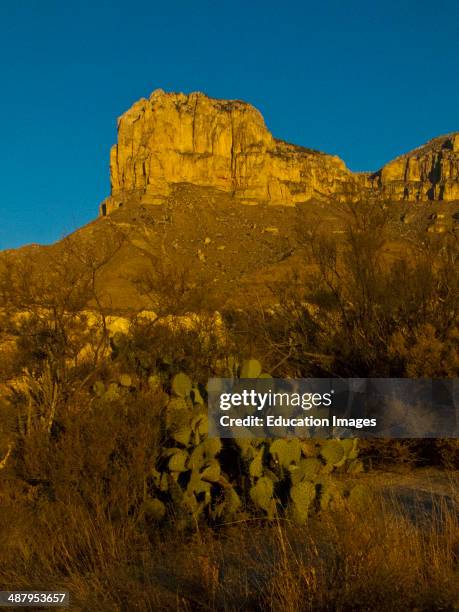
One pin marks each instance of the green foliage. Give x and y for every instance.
(286, 452)
(359, 498)
(262, 495)
(302, 495)
(154, 509)
(181, 385)
(125, 380)
(115, 390)
(331, 494)
(197, 477)
(99, 388)
(177, 461)
(154, 382)
(333, 452)
(256, 465)
(251, 368)
(112, 392)
(308, 469)
(355, 466)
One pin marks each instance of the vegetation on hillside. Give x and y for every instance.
(109, 485)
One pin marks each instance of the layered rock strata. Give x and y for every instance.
(174, 138)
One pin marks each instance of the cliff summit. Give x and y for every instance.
(173, 138)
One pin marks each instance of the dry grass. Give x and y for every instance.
(389, 558)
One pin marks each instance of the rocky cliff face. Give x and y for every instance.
(430, 172)
(176, 138)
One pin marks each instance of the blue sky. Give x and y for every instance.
(360, 79)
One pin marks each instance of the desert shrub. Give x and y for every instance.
(285, 337)
(423, 352)
(400, 454)
(171, 346)
(170, 287)
(360, 310)
(446, 453)
(90, 447)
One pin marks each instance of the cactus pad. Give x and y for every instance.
(286, 452)
(154, 509)
(181, 385)
(332, 452)
(262, 495)
(302, 495)
(251, 368)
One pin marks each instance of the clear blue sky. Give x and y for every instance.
(361, 79)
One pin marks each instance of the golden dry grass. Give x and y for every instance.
(392, 557)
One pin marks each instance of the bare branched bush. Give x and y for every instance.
(361, 309)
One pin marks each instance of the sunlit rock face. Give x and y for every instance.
(430, 172)
(175, 138)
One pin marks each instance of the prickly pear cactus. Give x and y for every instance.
(302, 496)
(307, 469)
(182, 385)
(125, 380)
(154, 509)
(251, 368)
(286, 452)
(262, 495)
(188, 477)
(201, 478)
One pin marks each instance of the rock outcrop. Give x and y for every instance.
(177, 138)
(430, 172)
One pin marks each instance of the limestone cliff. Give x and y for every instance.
(430, 172)
(177, 138)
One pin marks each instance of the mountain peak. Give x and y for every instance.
(174, 138)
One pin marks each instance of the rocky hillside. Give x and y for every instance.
(176, 138)
(183, 172)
